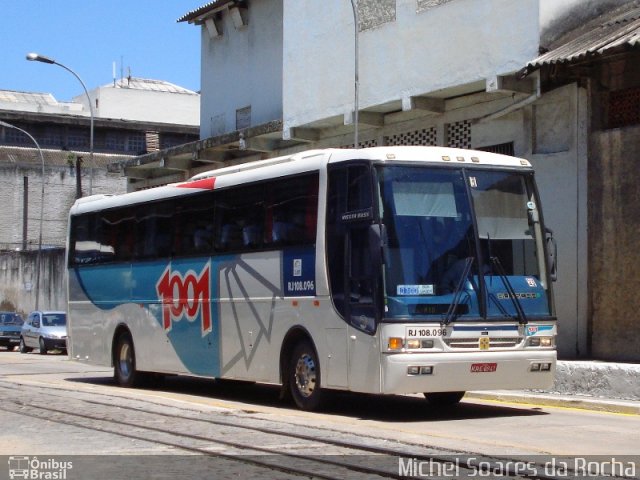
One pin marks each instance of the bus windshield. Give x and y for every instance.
(438, 264)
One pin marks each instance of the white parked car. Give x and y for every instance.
(44, 331)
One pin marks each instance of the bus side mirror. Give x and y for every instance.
(552, 254)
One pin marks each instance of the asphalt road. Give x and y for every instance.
(53, 408)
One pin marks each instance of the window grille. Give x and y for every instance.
(624, 108)
(459, 134)
(502, 148)
(426, 136)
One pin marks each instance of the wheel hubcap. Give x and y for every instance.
(125, 360)
(306, 375)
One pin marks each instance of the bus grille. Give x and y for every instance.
(506, 342)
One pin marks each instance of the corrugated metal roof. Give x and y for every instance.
(151, 85)
(618, 32)
(27, 97)
(194, 14)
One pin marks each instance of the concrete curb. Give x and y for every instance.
(627, 407)
(587, 385)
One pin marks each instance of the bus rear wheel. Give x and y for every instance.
(304, 377)
(443, 399)
(124, 361)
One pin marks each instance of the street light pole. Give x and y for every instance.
(356, 26)
(39, 255)
(34, 57)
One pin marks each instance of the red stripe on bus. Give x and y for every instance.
(205, 183)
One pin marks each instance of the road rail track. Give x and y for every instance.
(287, 448)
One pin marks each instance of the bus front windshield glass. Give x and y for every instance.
(432, 267)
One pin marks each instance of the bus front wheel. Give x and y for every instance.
(443, 399)
(304, 377)
(124, 361)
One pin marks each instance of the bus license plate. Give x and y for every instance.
(426, 332)
(483, 367)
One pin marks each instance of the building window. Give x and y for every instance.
(624, 108)
(243, 118)
(77, 138)
(502, 148)
(53, 137)
(114, 142)
(15, 137)
(136, 143)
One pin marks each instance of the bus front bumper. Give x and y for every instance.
(449, 372)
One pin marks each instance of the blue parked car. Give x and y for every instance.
(10, 327)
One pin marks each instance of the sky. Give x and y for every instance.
(89, 35)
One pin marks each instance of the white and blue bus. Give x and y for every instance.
(382, 270)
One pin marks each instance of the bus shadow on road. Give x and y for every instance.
(385, 408)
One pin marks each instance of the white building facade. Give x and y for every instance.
(431, 72)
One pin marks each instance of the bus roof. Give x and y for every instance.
(307, 161)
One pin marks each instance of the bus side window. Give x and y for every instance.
(194, 217)
(292, 210)
(154, 231)
(117, 229)
(240, 219)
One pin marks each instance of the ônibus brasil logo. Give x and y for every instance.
(185, 296)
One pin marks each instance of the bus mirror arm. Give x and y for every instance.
(552, 254)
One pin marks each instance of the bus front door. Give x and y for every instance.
(361, 290)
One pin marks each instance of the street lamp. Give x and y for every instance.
(34, 57)
(356, 26)
(39, 255)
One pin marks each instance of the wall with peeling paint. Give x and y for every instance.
(59, 195)
(18, 280)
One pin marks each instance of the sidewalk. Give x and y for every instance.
(591, 385)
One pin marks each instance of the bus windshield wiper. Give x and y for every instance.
(512, 294)
(457, 293)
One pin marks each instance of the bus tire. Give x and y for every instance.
(124, 361)
(304, 377)
(443, 399)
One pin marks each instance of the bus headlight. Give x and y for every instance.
(540, 342)
(395, 343)
(416, 343)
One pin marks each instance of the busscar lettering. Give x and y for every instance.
(185, 296)
(520, 296)
(359, 215)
